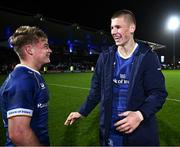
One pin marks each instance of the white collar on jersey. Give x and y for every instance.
(21, 65)
(130, 53)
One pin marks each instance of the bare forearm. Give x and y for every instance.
(25, 138)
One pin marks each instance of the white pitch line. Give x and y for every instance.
(67, 86)
(76, 87)
(176, 100)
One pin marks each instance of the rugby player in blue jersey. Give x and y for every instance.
(130, 87)
(24, 94)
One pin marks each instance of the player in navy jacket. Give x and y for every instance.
(128, 117)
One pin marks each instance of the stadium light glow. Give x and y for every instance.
(71, 48)
(172, 25)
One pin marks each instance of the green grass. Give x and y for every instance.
(168, 117)
(63, 101)
(2, 131)
(69, 90)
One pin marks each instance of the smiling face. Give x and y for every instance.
(122, 30)
(41, 52)
(31, 45)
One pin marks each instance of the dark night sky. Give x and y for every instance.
(151, 15)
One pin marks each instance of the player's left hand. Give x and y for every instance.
(129, 123)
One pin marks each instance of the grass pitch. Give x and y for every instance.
(69, 90)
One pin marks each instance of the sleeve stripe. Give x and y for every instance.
(19, 111)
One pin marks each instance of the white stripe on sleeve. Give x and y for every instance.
(19, 111)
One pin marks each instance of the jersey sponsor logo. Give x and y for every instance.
(19, 111)
(40, 105)
(42, 86)
(121, 81)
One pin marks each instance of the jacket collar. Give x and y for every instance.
(143, 48)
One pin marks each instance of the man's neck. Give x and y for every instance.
(127, 49)
(30, 65)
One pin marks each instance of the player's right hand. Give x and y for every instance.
(73, 116)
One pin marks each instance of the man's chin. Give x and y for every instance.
(48, 61)
(118, 43)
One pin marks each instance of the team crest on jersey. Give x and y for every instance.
(122, 76)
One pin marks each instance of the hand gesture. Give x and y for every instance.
(130, 122)
(73, 116)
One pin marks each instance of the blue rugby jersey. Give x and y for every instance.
(24, 93)
(122, 71)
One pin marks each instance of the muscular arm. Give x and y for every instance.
(20, 132)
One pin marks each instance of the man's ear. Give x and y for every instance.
(132, 28)
(28, 49)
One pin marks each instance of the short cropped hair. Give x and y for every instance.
(126, 13)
